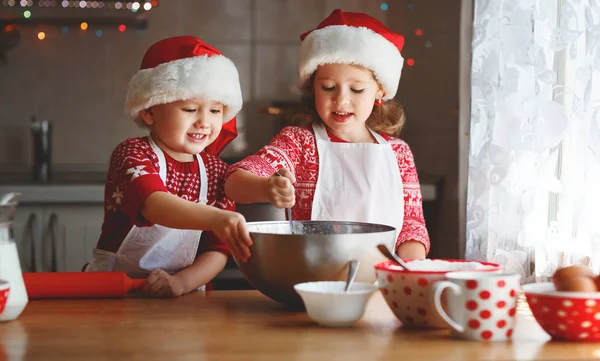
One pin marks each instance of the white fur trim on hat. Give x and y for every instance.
(206, 77)
(352, 45)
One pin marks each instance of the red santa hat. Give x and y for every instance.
(353, 38)
(182, 68)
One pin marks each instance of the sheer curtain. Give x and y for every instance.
(533, 184)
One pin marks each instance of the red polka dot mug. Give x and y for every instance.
(481, 306)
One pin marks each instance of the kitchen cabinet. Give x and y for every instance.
(56, 237)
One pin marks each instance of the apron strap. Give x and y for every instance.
(321, 133)
(162, 163)
(378, 137)
(203, 180)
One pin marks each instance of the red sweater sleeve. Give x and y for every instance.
(413, 228)
(284, 151)
(134, 174)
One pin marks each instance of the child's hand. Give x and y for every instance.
(411, 250)
(231, 228)
(281, 189)
(161, 284)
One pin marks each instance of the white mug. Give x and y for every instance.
(481, 306)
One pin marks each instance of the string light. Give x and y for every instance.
(418, 32)
(84, 4)
(410, 62)
(63, 26)
(384, 6)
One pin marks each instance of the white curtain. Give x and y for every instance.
(533, 187)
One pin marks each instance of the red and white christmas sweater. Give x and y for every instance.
(133, 174)
(295, 148)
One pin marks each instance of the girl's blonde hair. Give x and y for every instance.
(388, 118)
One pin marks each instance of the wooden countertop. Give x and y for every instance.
(244, 325)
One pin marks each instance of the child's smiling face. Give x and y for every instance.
(184, 128)
(344, 98)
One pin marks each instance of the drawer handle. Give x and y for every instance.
(31, 221)
(52, 220)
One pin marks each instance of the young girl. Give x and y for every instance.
(163, 190)
(345, 164)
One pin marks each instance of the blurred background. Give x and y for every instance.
(69, 63)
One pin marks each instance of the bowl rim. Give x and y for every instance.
(384, 266)
(548, 289)
(383, 227)
(369, 288)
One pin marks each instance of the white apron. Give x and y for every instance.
(145, 249)
(358, 182)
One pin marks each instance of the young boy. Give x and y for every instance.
(164, 190)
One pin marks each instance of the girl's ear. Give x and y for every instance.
(147, 116)
(380, 94)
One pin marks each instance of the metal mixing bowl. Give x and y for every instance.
(316, 251)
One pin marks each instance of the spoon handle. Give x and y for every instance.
(288, 211)
(391, 256)
(352, 270)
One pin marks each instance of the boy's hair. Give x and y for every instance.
(388, 118)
